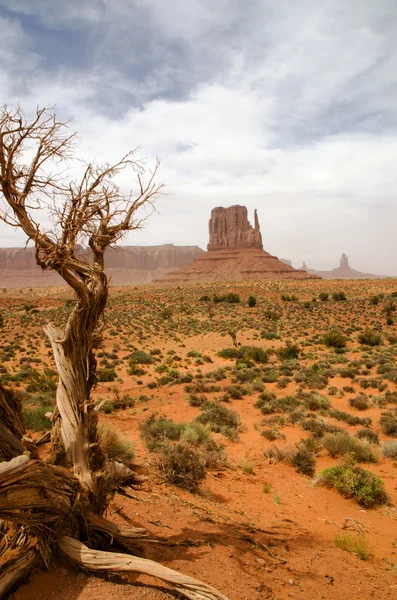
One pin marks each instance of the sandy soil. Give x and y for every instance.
(265, 533)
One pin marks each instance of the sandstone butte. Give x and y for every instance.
(234, 252)
(344, 271)
(126, 265)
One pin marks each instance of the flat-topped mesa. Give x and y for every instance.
(230, 229)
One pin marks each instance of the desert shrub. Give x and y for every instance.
(340, 444)
(318, 427)
(355, 482)
(155, 352)
(356, 544)
(288, 404)
(230, 298)
(183, 466)
(271, 434)
(142, 358)
(312, 378)
(196, 399)
(368, 435)
(194, 433)
(334, 339)
(116, 447)
(289, 352)
(166, 312)
(340, 415)
(304, 461)
(106, 375)
(266, 402)
(220, 419)
(369, 337)
(339, 296)
(246, 353)
(388, 423)
(360, 402)
(272, 315)
(42, 382)
(289, 298)
(278, 454)
(254, 353)
(214, 454)
(251, 301)
(34, 418)
(389, 449)
(205, 298)
(391, 397)
(157, 430)
(314, 401)
(323, 296)
(229, 353)
(107, 408)
(235, 392)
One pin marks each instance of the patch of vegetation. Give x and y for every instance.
(342, 444)
(357, 483)
(388, 423)
(116, 447)
(220, 419)
(355, 544)
(370, 337)
(182, 465)
(35, 419)
(334, 339)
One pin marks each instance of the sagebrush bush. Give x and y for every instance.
(220, 419)
(334, 339)
(360, 402)
(388, 423)
(340, 444)
(357, 483)
(304, 461)
(116, 447)
(368, 435)
(156, 430)
(183, 466)
(370, 337)
(389, 449)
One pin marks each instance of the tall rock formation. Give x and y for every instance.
(344, 262)
(235, 252)
(230, 228)
(126, 265)
(344, 271)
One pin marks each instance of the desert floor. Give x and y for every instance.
(257, 526)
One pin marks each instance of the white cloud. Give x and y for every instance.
(288, 108)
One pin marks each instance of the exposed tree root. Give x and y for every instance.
(16, 569)
(95, 560)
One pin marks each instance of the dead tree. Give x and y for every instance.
(51, 506)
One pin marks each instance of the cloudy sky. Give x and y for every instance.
(288, 107)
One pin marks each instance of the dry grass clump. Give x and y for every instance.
(116, 447)
(300, 457)
(356, 544)
(389, 449)
(182, 465)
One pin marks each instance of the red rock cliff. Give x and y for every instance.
(229, 228)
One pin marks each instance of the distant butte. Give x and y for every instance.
(235, 253)
(344, 271)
